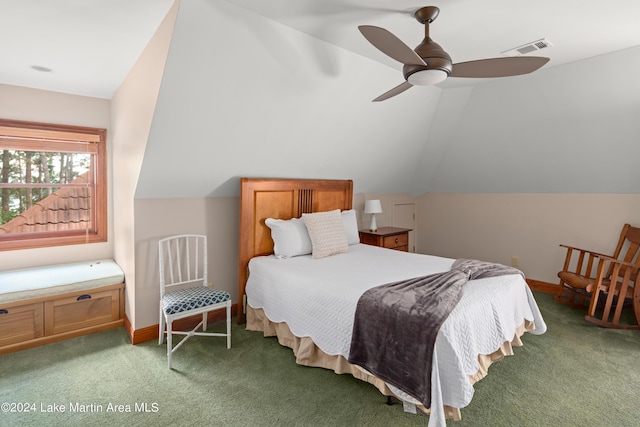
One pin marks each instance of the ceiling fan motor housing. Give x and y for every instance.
(431, 53)
(434, 56)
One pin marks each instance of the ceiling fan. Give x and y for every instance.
(429, 64)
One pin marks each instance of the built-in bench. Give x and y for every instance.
(46, 304)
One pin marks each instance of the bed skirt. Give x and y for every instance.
(308, 354)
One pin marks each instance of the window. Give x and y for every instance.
(53, 184)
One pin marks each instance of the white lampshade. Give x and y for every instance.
(372, 206)
(427, 77)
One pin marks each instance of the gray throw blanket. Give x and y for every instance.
(396, 324)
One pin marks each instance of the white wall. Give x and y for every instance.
(496, 227)
(132, 110)
(35, 105)
(565, 129)
(277, 102)
(158, 218)
(243, 95)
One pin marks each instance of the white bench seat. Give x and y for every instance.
(28, 283)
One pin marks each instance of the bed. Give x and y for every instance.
(310, 303)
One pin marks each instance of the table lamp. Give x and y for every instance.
(373, 207)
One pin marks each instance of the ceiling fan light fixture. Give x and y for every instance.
(427, 77)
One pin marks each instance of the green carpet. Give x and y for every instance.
(576, 374)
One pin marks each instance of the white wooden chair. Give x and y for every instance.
(184, 291)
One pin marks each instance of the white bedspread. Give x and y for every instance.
(317, 298)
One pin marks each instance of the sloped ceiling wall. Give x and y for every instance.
(243, 95)
(567, 129)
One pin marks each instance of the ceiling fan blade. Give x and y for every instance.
(390, 45)
(393, 92)
(498, 67)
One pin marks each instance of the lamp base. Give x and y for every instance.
(373, 226)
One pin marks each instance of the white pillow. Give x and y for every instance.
(350, 223)
(290, 237)
(327, 234)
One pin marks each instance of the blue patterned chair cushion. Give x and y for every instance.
(192, 298)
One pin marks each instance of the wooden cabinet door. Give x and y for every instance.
(20, 323)
(77, 312)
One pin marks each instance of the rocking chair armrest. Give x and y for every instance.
(580, 268)
(597, 254)
(618, 261)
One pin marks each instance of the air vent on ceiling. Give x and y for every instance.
(528, 48)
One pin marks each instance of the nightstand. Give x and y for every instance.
(387, 237)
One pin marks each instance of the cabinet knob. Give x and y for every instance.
(396, 240)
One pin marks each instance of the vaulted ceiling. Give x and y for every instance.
(284, 88)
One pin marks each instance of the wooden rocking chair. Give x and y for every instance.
(614, 277)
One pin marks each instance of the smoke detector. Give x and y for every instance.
(528, 48)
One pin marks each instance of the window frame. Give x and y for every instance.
(49, 131)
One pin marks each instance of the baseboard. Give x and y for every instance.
(137, 336)
(145, 334)
(140, 335)
(127, 327)
(538, 285)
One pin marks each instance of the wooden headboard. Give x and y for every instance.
(262, 198)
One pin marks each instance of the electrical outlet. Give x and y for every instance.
(515, 261)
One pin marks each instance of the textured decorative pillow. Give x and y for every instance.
(290, 237)
(327, 234)
(350, 223)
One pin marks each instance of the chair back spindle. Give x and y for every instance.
(182, 261)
